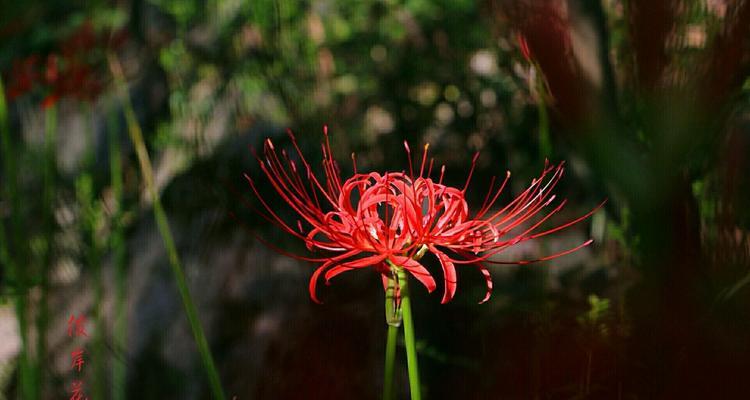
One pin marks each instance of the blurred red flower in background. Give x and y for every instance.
(22, 76)
(391, 220)
(72, 71)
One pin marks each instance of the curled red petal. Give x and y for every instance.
(449, 274)
(356, 264)
(417, 270)
(316, 275)
(314, 282)
(488, 279)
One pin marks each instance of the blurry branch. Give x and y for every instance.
(650, 22)
(653, 154)
(136, 137)
(595, 12)
(728, 58)
(547, 30)
(567, 45)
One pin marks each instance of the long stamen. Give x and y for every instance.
(424, 158)
(489, 191)
(279, 178)
(408, 154)
(484, 257)
(471, 171)
(573, 222)
(486, 208)
(333, 167)
(311, 176)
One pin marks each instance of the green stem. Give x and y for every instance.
(92, 218)
(50, 171)
(136, 136)
(391, 311)
(411, 348)
(390, 358)
(119, 370)
(99, 333)
(15, 275)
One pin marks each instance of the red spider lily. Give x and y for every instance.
(444, 224)
(367, 233)
(391, 220)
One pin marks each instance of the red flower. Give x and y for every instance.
(392, 220)
(359, 221)
(71, 71)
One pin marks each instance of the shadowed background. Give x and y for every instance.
(646, 101)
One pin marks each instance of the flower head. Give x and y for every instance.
(392, 220)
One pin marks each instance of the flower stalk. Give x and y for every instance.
(410, 342)
(398, 310)
(390, 360)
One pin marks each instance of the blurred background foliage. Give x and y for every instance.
(647, 101)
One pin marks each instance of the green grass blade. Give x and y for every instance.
(162, 223)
